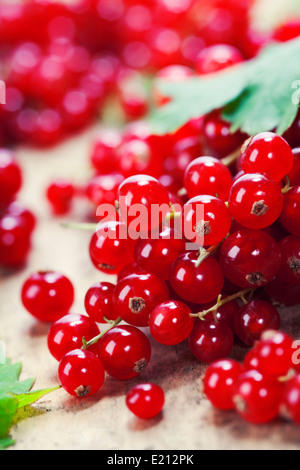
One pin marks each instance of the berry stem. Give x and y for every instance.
(94, 340)
(287, 185)
(232, 157)
(204, 253)
(80, 225)
(237, 295)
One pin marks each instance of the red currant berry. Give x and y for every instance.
(272, 354)
(143, 198)
(103, 189)
(111, 248)
(207, 175)
(47, 295)
(290, 260)
(253, 319)
(294, 174)
(98, 302)
(217, 136)
(269, 154)
(257, 398)
(217, 57)
(225, 313)
(125, 351)
(290, 215)
(197, 284)
(207, 220)
(10, 176)
(210, 341)
(290, 404)
(245, 258)
(68, 333)
(104, 151)
(219, 381)
(136, 295)
(157, 254)
(170, 322)
(60, 194)
(145, 400)
(25, 215)
(15, 241)
(255, 201)
(81, 373)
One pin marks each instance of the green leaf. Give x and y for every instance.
(15, 394)
(255, 96)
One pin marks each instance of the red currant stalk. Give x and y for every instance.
(237, 295)
(87, 344)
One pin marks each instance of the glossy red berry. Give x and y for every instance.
(103, 188)
(68, 333)
(219, 380)
(255, 201)
(157, 254)
(170, 322)
(143, 202)
(125, 351)
(207, 175)
(104, 151)
(245, 258)
(269, 154)
(257, 398)
(197, 284)
(98, 302)
(81, 373)
(290, 260)
(47, 295)
(290, 215)
(135, 296)
(145, 400)
(290, 402)
(111, 247)
(272, 354)
(60, 194)
(217, 57)
(15, 240)
(253, 319)
(210, 341)
(11, 177)
(207, 220)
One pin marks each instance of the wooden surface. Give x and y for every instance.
(102, 421)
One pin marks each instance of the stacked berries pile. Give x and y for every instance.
(17, 222)
(262, 387)
(209, 286)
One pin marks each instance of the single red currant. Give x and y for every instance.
(255, 201)
(290, 215)
(98, 302)
(219, 380)
(170, 322)
(207, 175)
(47, 295)
(245, 258)
(290, 260)
(143, 202)
(269, 154)
(81, 373)
(257, 398)
(290, 403)
(210, 341)
(68, 333)
(206, 219)
(60, 194)
(111, 247)
(145, 400)
(194, 283)
(125, 351)
(135, 296)
(10, 176)
(253, 319)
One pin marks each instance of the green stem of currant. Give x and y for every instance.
(232, 157)
(287, 185)
(220, 302)
(79, 225)
(86, 344)
(205, 253)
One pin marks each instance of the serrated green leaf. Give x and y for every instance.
(8, 408)
(255, 96)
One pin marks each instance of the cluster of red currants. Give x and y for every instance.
(17, 222)
(264, 386)
(210, 294)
